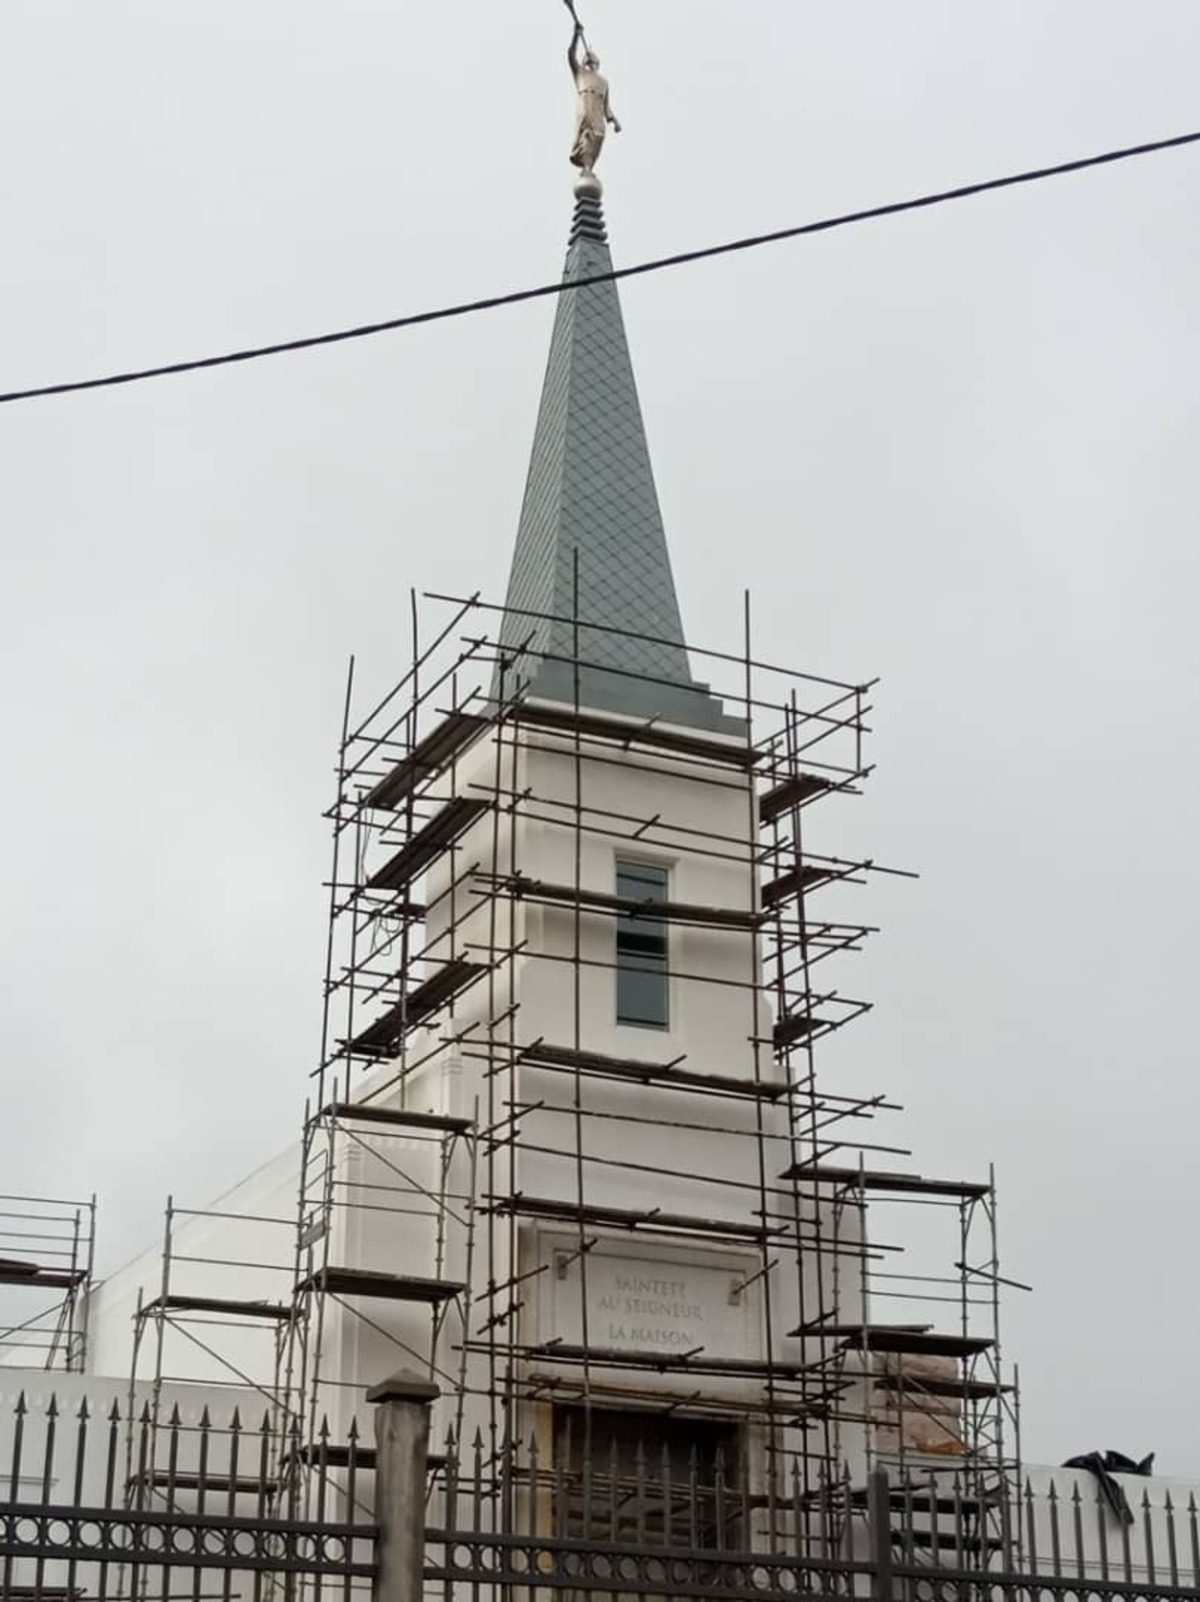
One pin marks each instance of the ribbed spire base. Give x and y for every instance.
(589, 220)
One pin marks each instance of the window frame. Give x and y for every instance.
(626, 962)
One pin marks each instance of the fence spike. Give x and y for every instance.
(202, 1459)
(18, 1448)
(81, 1436)
(48, 1458)
(110, 1468)
(1077, 1525)
(535, 1479)
(1148, 1536)
(235, 1446)
(351, 1500)
(1055, 1539)
(1029, 1525)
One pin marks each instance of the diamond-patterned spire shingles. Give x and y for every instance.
(591, 489)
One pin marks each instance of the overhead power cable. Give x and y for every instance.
(680, 259)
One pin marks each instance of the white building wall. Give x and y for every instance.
(241, 1248)
(645, 1147)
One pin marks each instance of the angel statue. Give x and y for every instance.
(595, 111)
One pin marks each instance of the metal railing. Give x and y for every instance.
(144, 1508)
(123, 1506)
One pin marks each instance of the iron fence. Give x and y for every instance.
(639, 1524)
(143, 1507)
(137, 1506)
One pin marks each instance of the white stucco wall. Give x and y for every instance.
(645, 1147)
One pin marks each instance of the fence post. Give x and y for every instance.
(402, 1406)
(879, 1520)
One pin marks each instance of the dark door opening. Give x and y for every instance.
(642, 1478)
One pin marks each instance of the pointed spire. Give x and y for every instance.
(590, 492)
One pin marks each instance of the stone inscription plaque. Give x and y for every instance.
(644, 1305)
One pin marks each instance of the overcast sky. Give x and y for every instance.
(957, 450)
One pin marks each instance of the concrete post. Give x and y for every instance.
(402, 1406)
(879, 1516)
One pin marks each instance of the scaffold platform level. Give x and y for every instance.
(595, 1064)
(397, 1117)
(428, 844)
(225, 1306)
(631, 906)
(384, 1037)
(36, 1275)
(882, 1180)
(626, 732)
(379, 1286)
(907, 1341)
(797, 1026)
(635, 1220)
(692, 1362)
(798, 880)
(793, 792)
(428, 758)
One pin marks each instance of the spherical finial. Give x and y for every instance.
(588, 186)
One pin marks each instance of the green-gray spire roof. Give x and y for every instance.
(591, 490)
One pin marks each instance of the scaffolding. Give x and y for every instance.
(47, 1250)
(464, 813)
(485, 1160)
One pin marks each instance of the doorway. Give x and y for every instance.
(648, 1479)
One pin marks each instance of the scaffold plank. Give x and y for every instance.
(399, 1117)
(224, 1305)
(636, 1220)
(45, 1278)
(380, 1286)
(793, 792)
(806, 876)
(881, 1180)
(427, 759)
(383, 1037)
(595, 1064)
(796, 1026)
(699, 1363)
(906, 1340)
(429, 843)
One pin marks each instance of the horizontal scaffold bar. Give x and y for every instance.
(642, 1220)
(877, 1179)
(595, 1064)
